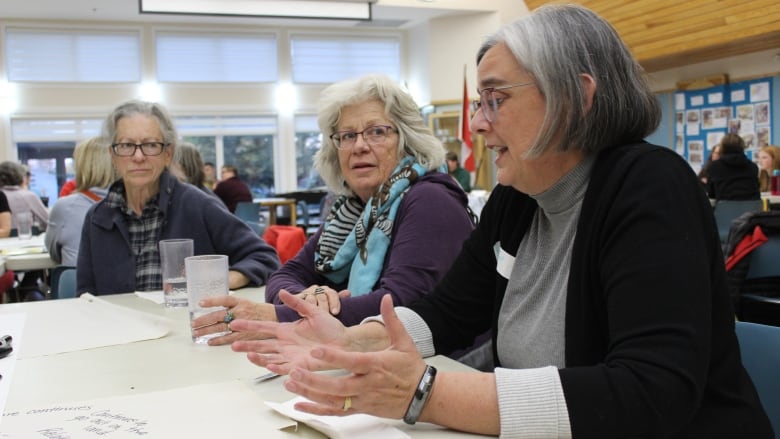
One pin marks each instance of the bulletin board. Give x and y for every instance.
(704, 115)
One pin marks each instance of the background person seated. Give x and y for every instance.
(231, 190)
(94, 174)
(461, 175)
(768, 162)
(733, 176)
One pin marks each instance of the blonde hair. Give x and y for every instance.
(93, 164)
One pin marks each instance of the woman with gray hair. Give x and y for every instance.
(596, 263)
(397, 223)
(119, 245)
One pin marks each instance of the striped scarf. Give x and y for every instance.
(356, 236)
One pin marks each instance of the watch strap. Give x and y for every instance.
(421, 394)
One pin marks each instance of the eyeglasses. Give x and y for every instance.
(147, 148)
(490, 103)
(371, 135)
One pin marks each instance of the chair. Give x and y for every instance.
(248, 211)
(760, 348)
(726, 211)
(764, 271)
(62, 282)
(287, 240)
(256, 227)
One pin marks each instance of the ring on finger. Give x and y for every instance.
(319, 290)
(347, 403)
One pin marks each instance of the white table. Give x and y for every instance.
(26, 254)
(166, 363)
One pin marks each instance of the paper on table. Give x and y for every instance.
(357, 426)
(155, 296)
(85, 323)
(217, 410)
(13, 325)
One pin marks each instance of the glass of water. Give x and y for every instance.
(172, 254)
(207, 276)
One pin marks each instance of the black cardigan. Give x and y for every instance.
(650, 343)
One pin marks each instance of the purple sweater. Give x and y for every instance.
(431, 224)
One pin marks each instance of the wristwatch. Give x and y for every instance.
(421, 395)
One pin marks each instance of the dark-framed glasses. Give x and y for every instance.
(371, 135)
(125, 149)
(488, 102)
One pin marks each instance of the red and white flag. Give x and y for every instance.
(464, 130)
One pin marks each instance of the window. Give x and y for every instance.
(325, 59)
(216, 57)
(308, 141)
(246, 142)
(73, 55)
(46, 146)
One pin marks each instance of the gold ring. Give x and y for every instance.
(347, 403)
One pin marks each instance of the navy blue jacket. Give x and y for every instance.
(106, 264)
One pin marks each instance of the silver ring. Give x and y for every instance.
(319, 290)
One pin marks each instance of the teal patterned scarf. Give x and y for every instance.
(356, 236)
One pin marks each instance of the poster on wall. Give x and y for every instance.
(703, 116)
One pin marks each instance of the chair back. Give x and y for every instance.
(256, 227)
(726, 211)
(62, 282)
(765, 259)
(760, 348)
(248, 211)
(287, 240)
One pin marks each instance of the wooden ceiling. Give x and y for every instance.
(664, 34)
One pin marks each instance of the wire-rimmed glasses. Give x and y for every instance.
(371, 135)
(126, 149)
(490, 103)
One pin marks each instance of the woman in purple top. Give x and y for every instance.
(396, 225)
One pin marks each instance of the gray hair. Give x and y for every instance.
(555, 44)
(11, 173)
(189, 160)
(414, 136)
(150, 109)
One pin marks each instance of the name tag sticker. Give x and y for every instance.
(504, 261)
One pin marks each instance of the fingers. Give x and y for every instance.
(395, 329)
(295, 302)
(226, 301)
(266, 328)
(328, 392)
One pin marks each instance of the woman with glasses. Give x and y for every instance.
(596, 263)
(119, 245)
(397, 223)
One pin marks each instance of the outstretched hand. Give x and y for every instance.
(380, 383)
(292, 342)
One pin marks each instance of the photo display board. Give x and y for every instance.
(703, 116)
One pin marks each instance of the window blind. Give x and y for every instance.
(216, 57)
(326, 59)
(73, 55)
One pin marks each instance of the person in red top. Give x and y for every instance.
(68, 188)
(231, 190)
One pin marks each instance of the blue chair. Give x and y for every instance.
(62, 282)
(256, 227)
(248, 211)
(760, 348)
(726, 211)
